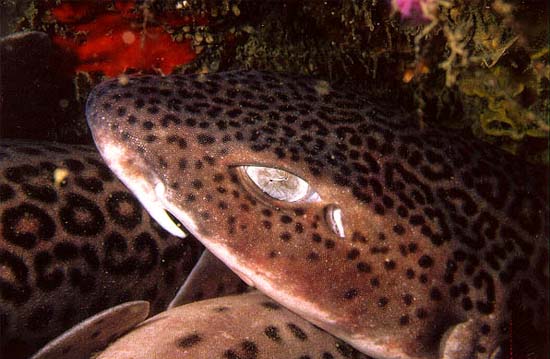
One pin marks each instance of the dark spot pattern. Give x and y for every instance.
(81, 216)
(6, 192)
(16, 290)
(124, 209)
(189, 341)
(44, 194)
(90, 184)
(297, 331)
(271, 305)
(56, 265)
(452, 217)
(26, 224)
(272, 332)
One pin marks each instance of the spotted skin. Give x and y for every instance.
(247, 326)
(445, 237)
(71, 248)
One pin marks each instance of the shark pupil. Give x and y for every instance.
(278, 184)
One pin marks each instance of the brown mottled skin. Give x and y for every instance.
(247, 326)
(445, 237)
(73, 242)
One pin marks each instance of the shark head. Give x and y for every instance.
(327, 203)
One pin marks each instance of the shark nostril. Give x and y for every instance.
(333, 216)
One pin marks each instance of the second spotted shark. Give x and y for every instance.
(74, 242)
(404, 242)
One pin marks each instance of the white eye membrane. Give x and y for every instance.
(279, 184)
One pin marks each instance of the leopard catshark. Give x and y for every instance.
(403, 241)
(74, 241)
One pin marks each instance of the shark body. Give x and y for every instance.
(404, 242)
(222, 328)
(74, 241)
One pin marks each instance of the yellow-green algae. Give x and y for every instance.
(480, 64)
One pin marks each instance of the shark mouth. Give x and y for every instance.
(148, 189)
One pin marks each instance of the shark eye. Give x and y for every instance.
(280, 185)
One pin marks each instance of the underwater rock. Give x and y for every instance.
(26, 85)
